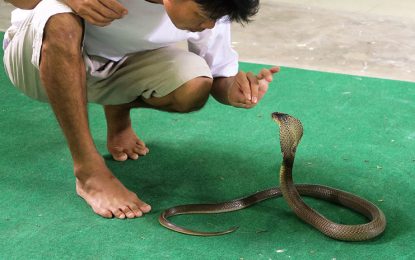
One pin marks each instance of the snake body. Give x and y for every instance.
(291, 131)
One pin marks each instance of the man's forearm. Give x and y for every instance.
(220, 88)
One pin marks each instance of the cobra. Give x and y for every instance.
(291, 132)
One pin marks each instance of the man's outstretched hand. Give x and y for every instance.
(248, 89)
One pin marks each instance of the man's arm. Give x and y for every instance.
(220, 89)
(241, 90)
(23, 4)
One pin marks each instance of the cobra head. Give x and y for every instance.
(291, 131)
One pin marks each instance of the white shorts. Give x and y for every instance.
(154, 73)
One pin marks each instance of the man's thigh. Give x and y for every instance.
(23, 45)
(148, 74)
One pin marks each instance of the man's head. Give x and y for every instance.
(197, 15)
(237, 10)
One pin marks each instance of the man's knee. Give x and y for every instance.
(193, 95)
(63, 35)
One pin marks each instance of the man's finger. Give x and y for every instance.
(239, 100)
(254, 86)
(244, 85)
(262, 90)
(115, 6)
(96, 19)
(275, 69)
(265, 74)
(106, 12)
(244, 105)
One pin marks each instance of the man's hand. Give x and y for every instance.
(98, 12)
(247, 89)
(244, 89)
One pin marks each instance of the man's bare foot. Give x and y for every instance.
(124, 144)
(106, 195)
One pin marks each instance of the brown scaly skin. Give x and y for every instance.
(291, 131)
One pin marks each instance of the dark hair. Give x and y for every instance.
(236, 10)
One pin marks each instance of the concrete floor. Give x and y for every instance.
(360, 37)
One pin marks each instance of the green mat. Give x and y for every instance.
(359, 136)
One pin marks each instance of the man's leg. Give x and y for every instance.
(123, 143)
(62, 73)
(189, 97)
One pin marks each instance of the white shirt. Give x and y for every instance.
(147, 27)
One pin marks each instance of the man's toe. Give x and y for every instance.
(145, 208)
(103, 213)
(133, 156)
(128, 213)
(120, 156)
(140, 150)
(118, 214)
(137, 212)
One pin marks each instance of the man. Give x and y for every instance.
(119, 54)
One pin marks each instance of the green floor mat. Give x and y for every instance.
(359, 136)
